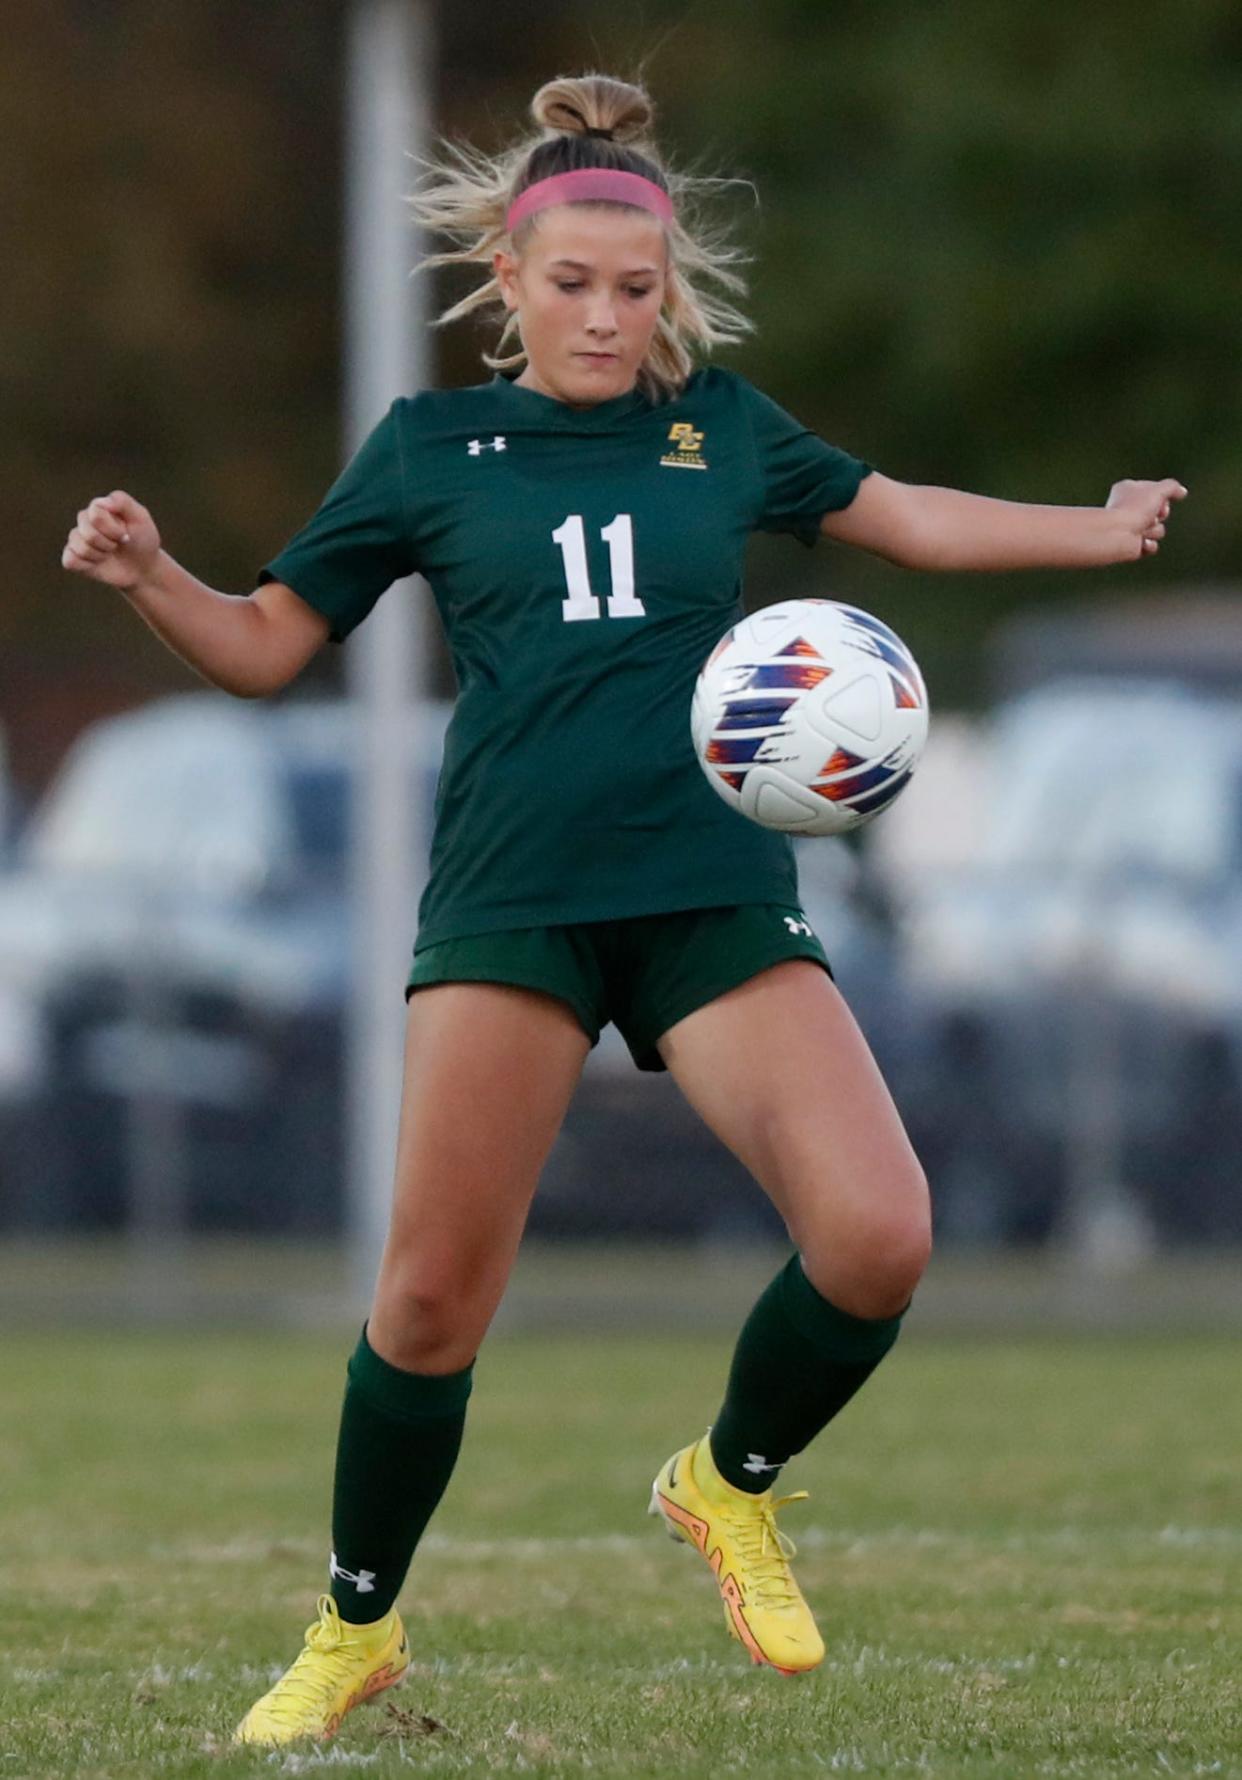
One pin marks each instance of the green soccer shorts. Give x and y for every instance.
(645, 973)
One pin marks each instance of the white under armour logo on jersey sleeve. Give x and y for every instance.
(476, 446)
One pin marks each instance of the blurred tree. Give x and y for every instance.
(1000, 247)
(996, 246)
(169, 201)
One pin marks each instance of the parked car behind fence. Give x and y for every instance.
(1081, 978)
(176, 929)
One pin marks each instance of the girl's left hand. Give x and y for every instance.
(1144, 507)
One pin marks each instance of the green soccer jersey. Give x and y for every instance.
(584, 563)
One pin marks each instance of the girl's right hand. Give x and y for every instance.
(114, 541)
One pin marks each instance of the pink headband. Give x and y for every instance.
(587, 183)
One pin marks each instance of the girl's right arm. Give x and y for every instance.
(249, 646)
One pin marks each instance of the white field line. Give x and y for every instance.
(1048, 1540)
(726, 1668)
(1052, 1539)
(336, 1757)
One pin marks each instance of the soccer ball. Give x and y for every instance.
(809, 717)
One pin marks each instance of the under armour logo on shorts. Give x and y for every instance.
(797, 926)
(478, 445)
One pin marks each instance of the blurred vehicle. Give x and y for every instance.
(175, 930)
(6, 802)
(176, 937)
(1082, 974)
(23, 1059)
(1190, 637)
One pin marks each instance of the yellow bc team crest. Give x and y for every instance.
(687, 444)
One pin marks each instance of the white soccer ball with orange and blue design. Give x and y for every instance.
(809, 717)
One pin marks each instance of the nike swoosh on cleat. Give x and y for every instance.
(672, 1474)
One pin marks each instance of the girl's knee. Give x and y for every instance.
(425, 1323)
(871, 1267)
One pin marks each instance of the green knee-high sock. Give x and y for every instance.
(399, 1439)
(797, 1362)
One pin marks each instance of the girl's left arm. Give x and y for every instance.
(943, 528)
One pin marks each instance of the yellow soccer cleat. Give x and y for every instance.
(748, 1556)
(340, 1666)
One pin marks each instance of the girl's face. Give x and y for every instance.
(587, 289)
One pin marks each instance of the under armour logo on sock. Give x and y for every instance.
(479, 445)
(755, 1461)
(364, 1581)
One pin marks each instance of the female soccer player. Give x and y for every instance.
(582, 526)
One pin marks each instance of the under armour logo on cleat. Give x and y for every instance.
(796, 927)
(364, 1581)
(755, 1461)
(479, 445)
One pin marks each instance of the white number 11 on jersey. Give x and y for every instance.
(582, 603)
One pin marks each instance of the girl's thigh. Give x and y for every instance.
(780, 1071)
(489, 1073)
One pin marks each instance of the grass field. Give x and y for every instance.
(1025, 1556)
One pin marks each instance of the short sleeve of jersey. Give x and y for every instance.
(801, 476)
(359, 541)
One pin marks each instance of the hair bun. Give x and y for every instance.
(594, 105)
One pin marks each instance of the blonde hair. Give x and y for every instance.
(587, 121)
